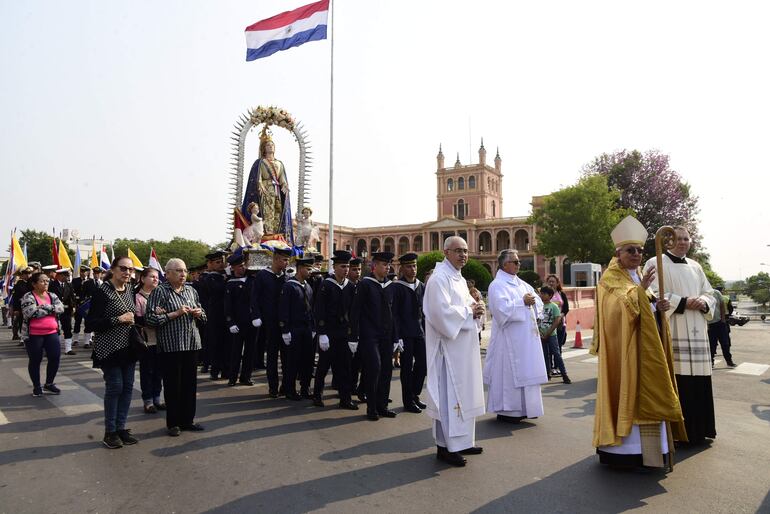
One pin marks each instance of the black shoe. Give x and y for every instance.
(451, 458)
(273, 394)
(71, 352)
(246, 382)
(566, 379)
(37, 391)
(732, 365)
(293, 397)
(87, 345)
(411, 407)
(51, 388)
(348, 406)
(231, 383)
(317, 401)
(204, 369)
(387, 413)
(362, 397)
(372, 416)
(173, 431)
(160, 406)
(419, 403)
(112, 441)
(510, 419)
(473, 450)
(192, 427)
(126, 437)
(306, 395)
(214, 376)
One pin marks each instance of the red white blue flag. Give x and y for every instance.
(286, 30)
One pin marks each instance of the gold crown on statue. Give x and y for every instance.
(266, 135)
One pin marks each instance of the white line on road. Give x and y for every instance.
(3, 419)
(74, 398)
(592, 360)
(750, 368)
(574, 353)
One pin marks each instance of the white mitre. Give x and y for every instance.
(628, 231)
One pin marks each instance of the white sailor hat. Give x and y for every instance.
(62, 270)
(50, 267)
(628, 231)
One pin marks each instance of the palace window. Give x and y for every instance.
(460, 183)
(450, 185)
(460, 209)
(471, 182)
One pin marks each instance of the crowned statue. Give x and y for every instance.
(267, 191)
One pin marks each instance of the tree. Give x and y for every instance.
(651, 189)
(191, 252)
(531, 277)
(473, 269)
(758, 287)
(576, 221)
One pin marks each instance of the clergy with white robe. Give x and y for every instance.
(514, 367)
(637, 414)
(692, 305)
(455, 390)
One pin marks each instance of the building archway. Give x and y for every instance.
(417, 244)
(503, 241)
(521, 240)
(375, 244)
(460, 183)
(485, 242)
(472, 182)
(403, 245)
(450, 185)
(389, 245)
(360, 247)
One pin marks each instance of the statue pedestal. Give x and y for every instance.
(258, 258)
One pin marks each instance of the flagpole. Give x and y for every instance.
(331, 138)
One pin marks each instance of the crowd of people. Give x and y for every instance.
(227, 319)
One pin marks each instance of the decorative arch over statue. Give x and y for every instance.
(240, 199)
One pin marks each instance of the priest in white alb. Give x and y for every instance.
(455, 390)
(514, 367)
(692, 305)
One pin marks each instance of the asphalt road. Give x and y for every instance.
(263, 455)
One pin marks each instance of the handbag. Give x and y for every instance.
(136, 340)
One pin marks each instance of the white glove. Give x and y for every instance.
(395, 347)
(234, 329)
(257, 323)
(323, 342)
(286, 338)
(400, 345)
(353, 346)
(312, 334)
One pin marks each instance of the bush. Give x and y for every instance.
(531, 278)
(473, 269)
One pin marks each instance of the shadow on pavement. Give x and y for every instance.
(587, 409)
(321, 492)
(577, 389)
(405, 443)
(491, 428)
(585, 486)
(761, 411)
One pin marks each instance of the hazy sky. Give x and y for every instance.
(115, 117)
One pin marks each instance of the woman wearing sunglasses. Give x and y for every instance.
(111, 316)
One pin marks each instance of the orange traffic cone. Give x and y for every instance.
(578, 337)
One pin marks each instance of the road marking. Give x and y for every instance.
(750, 368)
(3, 419)
(89, 365)
(574, 353)
(592, 360)
(74, 399)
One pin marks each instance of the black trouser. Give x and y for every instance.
(356, 369)
(218, 339)
(413, 368)
(259, 352)
(78, 321)
(377, 361)
(66, 323)
(16, 320)
(275, 348)
(242, 352)
(180, 379)
(718, 332)
(298, 362)
(35, 347)
(338, 356)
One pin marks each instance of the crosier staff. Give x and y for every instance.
(665, 239)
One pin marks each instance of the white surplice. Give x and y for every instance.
(514, 367)
(689, 329)
(455, 390)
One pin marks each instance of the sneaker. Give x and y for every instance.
(149, 408)
(566, 379)
(51, 388)
(126, 437)
(71, 352)
(37, 391)
(112, 441)
(87, 345)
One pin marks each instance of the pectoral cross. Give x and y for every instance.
(695, 331)
(457, 408)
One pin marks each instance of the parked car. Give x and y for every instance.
(737, 318)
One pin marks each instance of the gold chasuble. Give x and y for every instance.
(636, 384)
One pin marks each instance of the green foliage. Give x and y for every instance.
(576, 221)
(474, 269)
(758, 287)
(714, 279)
(39, 246)
(191, 252)
(531, 277)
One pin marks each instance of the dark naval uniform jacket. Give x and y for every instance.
(407, 308)
(332, 307)
(295, 311)
(237, 310)
(265, 292)
(371, 316)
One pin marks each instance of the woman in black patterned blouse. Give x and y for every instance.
(111, 316)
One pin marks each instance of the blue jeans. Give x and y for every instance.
(551, 350)
(35, 346)
(118, 386)
(150, 375)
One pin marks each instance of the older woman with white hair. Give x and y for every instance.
(173, 308)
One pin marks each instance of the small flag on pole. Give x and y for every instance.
(135, 259)
(153, 263)
(64, 256)
(104, 261)
(94, 255)
(78, 262)
(287, 30)
(55, 253)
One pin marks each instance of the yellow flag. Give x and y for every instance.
(64, 256)
(135, 259)
(94, 256)
(19, 261)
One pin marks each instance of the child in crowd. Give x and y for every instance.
(548, 325)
